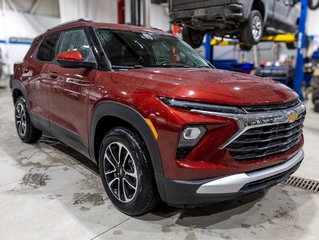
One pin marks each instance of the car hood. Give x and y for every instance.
(207, 85)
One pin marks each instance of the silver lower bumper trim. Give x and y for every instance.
(233, 183)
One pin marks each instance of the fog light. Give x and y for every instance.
(190, 136)
(191, 133)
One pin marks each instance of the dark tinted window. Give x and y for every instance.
(146, 49)
(47, 48)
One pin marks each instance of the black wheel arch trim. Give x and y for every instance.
(18, 85)
(134, 118)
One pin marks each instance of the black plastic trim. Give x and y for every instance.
(184, 192)
(69, 138)
(130, 115)
(16, 84)
(101, 57)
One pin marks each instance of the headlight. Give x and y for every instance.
(190, 105)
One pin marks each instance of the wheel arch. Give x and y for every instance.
(19, 90)
(108, 114)
(261, 7)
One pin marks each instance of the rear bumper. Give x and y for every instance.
(228, 187)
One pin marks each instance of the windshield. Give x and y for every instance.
(127, 49)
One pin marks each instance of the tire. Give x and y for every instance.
(137, 193)
(255, 22)
(193, 37)
(245, 47)
(25, 129)
(315, 95)
(317, 106)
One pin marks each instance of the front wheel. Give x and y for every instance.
(253, 29)
(127, 173)
(25, 129)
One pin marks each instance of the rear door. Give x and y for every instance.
(68, 98)
(38, 74)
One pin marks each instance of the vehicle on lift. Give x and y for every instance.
(241, 19)
(161, 122)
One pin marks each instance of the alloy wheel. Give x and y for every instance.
(21, 119)
(257, 28)
(120, 172)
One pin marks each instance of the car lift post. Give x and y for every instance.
(301, 53)
(208, 48)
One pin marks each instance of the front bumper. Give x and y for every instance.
(228, 187)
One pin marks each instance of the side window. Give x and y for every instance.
(47, 48)
(77, 40)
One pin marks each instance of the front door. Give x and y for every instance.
(68, 100)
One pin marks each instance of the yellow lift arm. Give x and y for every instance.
(284, 38)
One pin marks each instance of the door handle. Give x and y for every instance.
(53, 75)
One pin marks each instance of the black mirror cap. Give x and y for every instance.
(76, 64)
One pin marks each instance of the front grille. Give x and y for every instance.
(267, 141)
(269, 108)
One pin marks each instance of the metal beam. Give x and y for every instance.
(146, 12)
(34, 6)
(121, 11)
(12, 6)
(3, 5)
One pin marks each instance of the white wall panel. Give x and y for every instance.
(97, 10)
(21, 25)
(106, 11)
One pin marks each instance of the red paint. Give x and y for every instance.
(70, 104)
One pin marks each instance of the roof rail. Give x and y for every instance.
(69, 22)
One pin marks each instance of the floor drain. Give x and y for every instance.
(303, 183)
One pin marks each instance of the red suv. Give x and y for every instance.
(158, 119)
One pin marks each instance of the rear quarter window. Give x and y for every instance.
(47, 49)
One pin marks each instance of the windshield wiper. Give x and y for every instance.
(126, 67)
(168, 65)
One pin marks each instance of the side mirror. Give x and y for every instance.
(73, 59)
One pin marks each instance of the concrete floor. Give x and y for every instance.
(49, 191)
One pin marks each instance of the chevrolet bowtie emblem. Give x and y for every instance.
(292, 117)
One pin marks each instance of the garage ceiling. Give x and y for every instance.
(35, 7)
